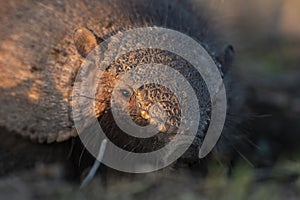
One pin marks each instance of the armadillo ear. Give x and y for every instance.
(85, 41)
(226, 57)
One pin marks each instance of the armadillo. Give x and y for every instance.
(44, 43)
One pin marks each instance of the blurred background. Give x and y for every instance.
(266, 35)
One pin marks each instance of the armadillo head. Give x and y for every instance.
(151, 104)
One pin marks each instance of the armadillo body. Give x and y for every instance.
(39, 61)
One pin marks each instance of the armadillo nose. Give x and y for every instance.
(145, 115)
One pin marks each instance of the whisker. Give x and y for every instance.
(91, 98)
(81, 156)
(95, 166)
(71, 148)
(244, 157)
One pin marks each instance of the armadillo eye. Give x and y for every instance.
(125, 93)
